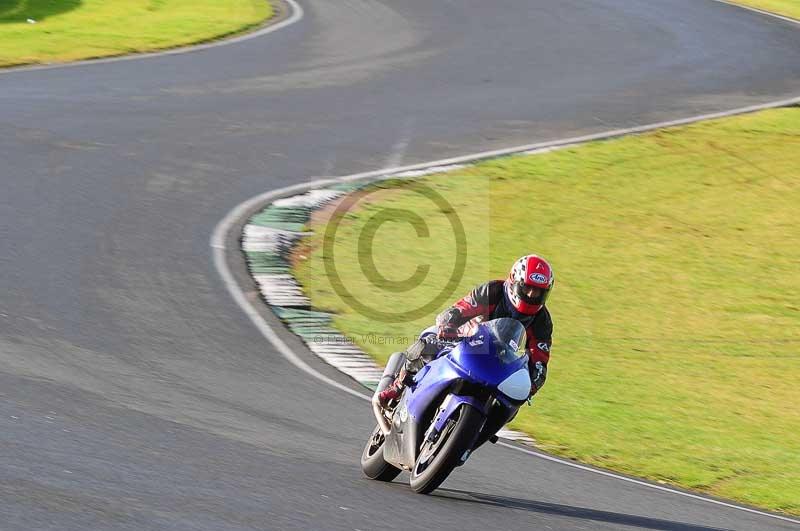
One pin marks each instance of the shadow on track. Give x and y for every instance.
(16, 11)
(570, 511)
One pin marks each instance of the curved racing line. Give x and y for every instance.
(233, 219)
(268, 26)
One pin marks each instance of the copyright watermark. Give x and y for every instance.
(363, 339)
(391, 299)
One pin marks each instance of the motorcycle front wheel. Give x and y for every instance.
(437, 459)
(373, 464)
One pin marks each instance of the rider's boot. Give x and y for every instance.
(417, 355)
(395, 389)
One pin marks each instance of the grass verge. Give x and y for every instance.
(788, 8)
(677, 321)
(48, 31)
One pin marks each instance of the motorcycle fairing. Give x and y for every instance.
(444, 383)
(477, 356)
(451, 403)
(433, 381)
(402, 443)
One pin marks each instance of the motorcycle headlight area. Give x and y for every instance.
(517, 386)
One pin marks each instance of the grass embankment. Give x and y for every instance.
(788, 8)
(68, 30)
(677, 302)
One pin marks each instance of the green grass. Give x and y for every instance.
(789, 8)
(68, 30)
(677, 303)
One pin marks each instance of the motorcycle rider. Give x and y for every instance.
(521, 296)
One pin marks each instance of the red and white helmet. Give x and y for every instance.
(529, 284)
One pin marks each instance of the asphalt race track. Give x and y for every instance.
(135, 394)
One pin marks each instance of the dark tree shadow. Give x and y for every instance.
(570, 511)
(15, 11)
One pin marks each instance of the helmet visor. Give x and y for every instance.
(531, 294)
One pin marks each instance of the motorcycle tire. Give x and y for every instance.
(434, 464)
(373, 464)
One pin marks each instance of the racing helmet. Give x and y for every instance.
(529, 284)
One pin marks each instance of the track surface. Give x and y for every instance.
(135, 393)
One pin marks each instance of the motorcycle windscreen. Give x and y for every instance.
(494, 352)
(508, 337)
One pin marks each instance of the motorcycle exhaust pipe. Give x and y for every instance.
(383, 422)
(393, 367)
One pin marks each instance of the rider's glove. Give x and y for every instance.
(447, 323)
(447, 332)
(538, 376)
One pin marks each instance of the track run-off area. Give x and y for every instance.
(138, 395)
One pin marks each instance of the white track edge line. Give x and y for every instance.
(644, 483)
(263, 327)
(760, 11)
(296, 15)
(217, 243)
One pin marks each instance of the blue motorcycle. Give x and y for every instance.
(456, 403)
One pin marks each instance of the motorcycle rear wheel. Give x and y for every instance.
(373, 464)
(437, 460)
